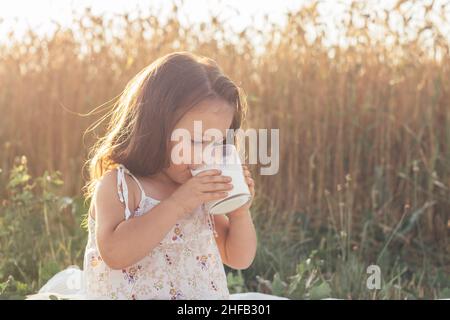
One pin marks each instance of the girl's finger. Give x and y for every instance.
(213, 187)
(212, 172)
(210, 179)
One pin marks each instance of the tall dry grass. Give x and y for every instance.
(364, 121)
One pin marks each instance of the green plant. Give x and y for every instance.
(13, 290)
(40, 231)
(236, 282)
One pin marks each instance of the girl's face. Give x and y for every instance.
(217, 114)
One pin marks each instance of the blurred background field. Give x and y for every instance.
(362, 100)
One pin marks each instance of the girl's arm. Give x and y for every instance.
(236, 238)
(123, 242)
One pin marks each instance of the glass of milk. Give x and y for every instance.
(226, 158)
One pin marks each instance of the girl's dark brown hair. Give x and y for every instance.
(144, 116)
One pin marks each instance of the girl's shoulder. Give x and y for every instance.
(108, 188)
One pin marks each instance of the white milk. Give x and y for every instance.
(237, 197)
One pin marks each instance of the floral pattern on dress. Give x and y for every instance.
(168, 260)
(175, 294)
(158, 285)
(96, 260)
(131, 273)
(203, 261)
(177, 235)
(213, 285)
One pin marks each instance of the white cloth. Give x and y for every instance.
(68, 284)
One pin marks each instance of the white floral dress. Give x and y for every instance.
(185, 265)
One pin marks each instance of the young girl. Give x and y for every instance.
(149, 234)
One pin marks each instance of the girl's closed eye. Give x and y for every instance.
(207, 142)
(193, 142)
(196, 142)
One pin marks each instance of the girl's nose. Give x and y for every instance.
(197, 159)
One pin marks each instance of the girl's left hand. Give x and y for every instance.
(250, 183)
(251, 186)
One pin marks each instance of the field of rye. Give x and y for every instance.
(364, 123)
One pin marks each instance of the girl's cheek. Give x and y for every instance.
(179, 173)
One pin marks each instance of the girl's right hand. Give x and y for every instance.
(206, 186)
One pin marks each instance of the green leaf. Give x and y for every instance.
(278, 286)
(321, 291)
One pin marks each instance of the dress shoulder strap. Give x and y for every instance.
(122, 188)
